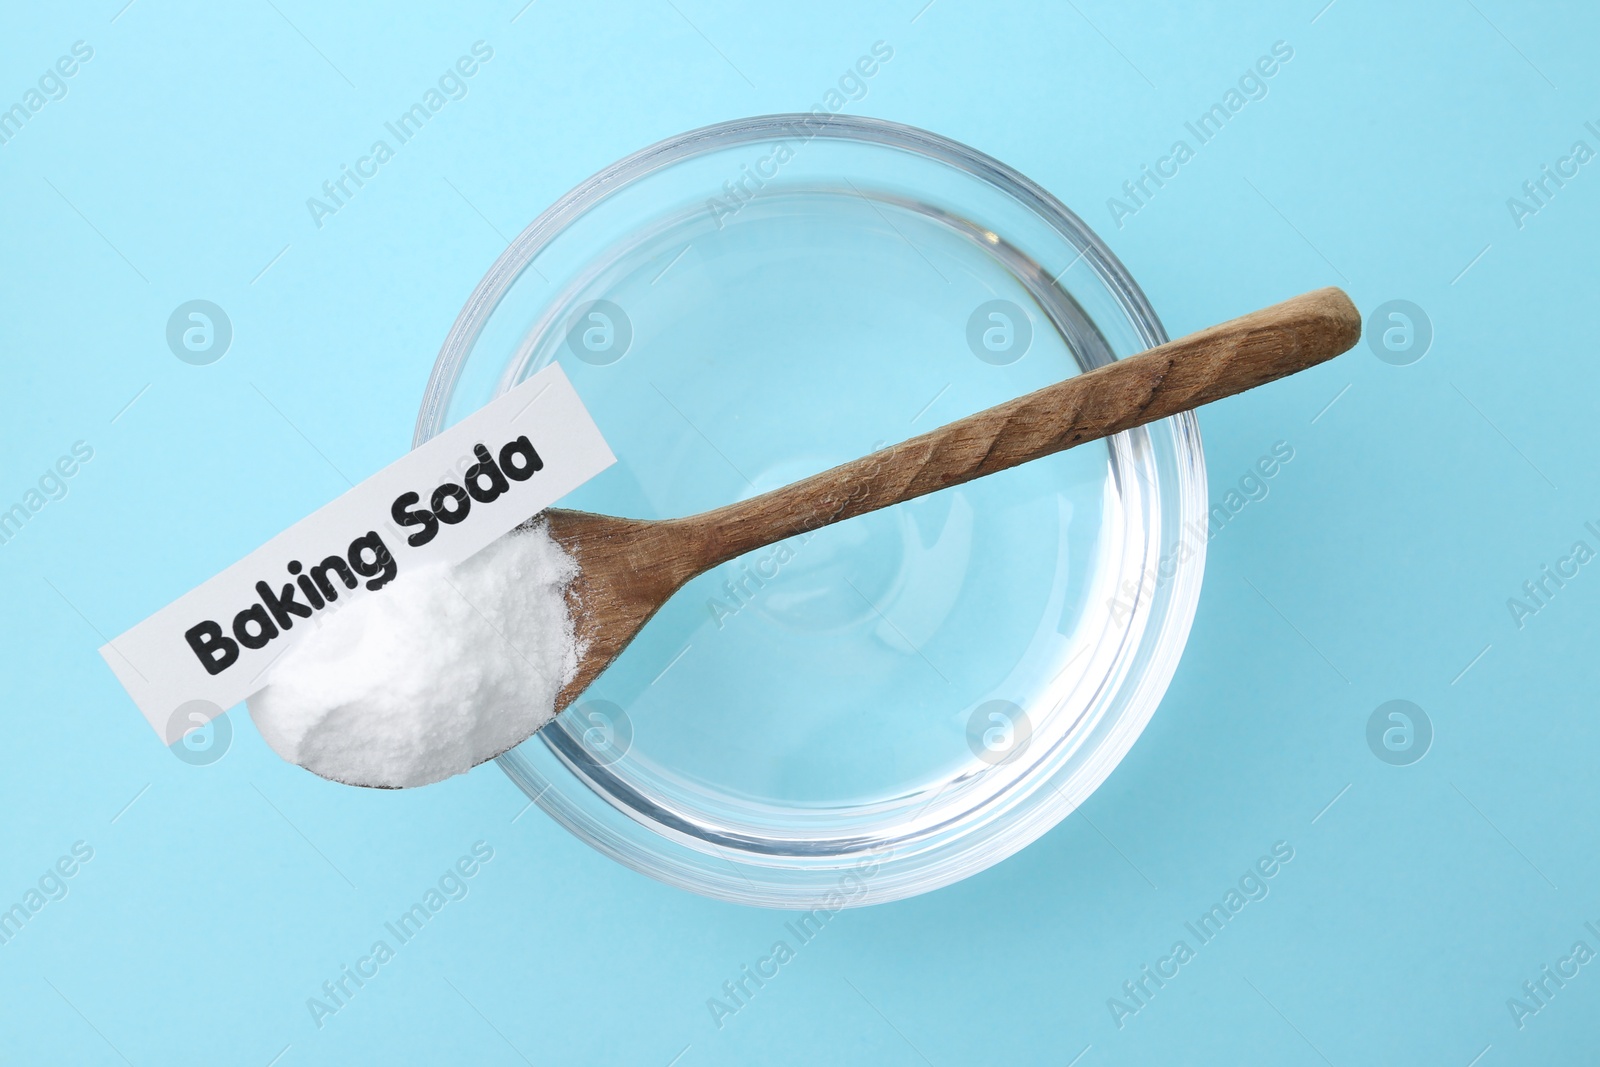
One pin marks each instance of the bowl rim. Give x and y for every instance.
(1158, 650)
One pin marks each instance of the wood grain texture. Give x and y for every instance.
(629, 567)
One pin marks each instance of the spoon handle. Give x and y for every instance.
(1217, 362)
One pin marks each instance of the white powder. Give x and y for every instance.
(442, 669)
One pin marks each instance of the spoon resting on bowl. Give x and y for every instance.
(451, 667)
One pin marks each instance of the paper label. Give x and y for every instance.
(440, 503)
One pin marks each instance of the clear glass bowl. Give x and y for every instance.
(890, 704)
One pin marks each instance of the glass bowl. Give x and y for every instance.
(891, 704)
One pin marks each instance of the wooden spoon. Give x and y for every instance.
(629, 567)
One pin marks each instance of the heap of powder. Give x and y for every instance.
(444, 668)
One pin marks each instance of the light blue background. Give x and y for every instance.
(219, 898)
